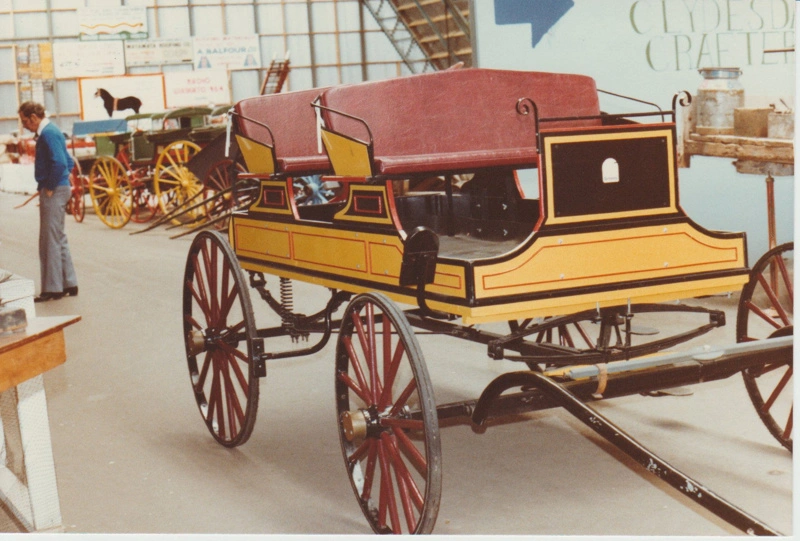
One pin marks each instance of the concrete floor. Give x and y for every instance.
(133, 456)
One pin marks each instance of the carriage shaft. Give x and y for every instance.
(539, 391)
(665, 372)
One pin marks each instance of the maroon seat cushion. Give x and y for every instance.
(460, 119)
(292, 121)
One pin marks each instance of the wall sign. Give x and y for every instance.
(203, 87)
(73, 59)
(147, 89)
(158, 52)
(97, 24)
(227, 52)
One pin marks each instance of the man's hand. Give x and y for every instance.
(48, 193)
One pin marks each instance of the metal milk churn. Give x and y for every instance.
(718, 95)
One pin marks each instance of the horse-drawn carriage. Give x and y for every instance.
(435, 220)
(142, 168)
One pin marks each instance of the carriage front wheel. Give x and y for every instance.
(766, 310)
(388, 428)
(111, 192)
(175, 186)
(220, 336)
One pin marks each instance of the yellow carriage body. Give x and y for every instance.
(606, 230)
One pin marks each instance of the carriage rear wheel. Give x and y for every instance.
(388, 428)
(175, 186)
(220, 336)
(76, 204)
(145, 204)
(220, 178)
(766, 310)
(111, 192)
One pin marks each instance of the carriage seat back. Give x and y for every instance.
(293, 124)
(455, 120)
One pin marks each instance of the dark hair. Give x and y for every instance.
(32, 108)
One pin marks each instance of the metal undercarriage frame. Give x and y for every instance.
(536, 390)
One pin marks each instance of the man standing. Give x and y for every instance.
(51, 170)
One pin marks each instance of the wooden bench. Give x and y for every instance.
(293, 124)
(449, 121)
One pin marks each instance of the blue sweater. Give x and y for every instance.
(53, 163)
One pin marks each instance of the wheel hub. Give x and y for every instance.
(360, 424)
(196, 342)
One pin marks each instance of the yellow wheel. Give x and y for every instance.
(111, 192)
(174, 185)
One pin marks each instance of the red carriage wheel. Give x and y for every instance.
(76, 204)
(145, 204)
(220, 177)
(766, 310)
(219, 330)
(388, 426)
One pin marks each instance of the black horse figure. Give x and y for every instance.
(112, 104)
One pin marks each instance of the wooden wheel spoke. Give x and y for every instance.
(405, 484)
(410, 450)
(355, 363)
(233, 351)
(353, 386)
(390, 373)
(199, 299)
(214, 405)
(189, 319)
(760, 313)
(369, 474)
(403, 474)
(773, 297)
(403, 398)
(231, 355)
(201, 293)
(235, 412)
(787, 280)
(787, 431)
(776, 392)
(360, 452)
(387, 501)
(203, 374)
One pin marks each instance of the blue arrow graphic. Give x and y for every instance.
(541, 14)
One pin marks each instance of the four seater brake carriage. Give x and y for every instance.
(474, 199)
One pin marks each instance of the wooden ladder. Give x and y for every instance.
(276, 76)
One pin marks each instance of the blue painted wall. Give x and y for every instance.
(651, 49)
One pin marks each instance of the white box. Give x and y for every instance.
(18, 292)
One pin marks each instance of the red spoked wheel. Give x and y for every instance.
(766, 310)
(145, 203)
(388, 427)
(76, 204)
(220, 334)
(221, 177)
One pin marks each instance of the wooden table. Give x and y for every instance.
(31, 494)
(752, 155)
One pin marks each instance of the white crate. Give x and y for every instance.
(17, 292)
